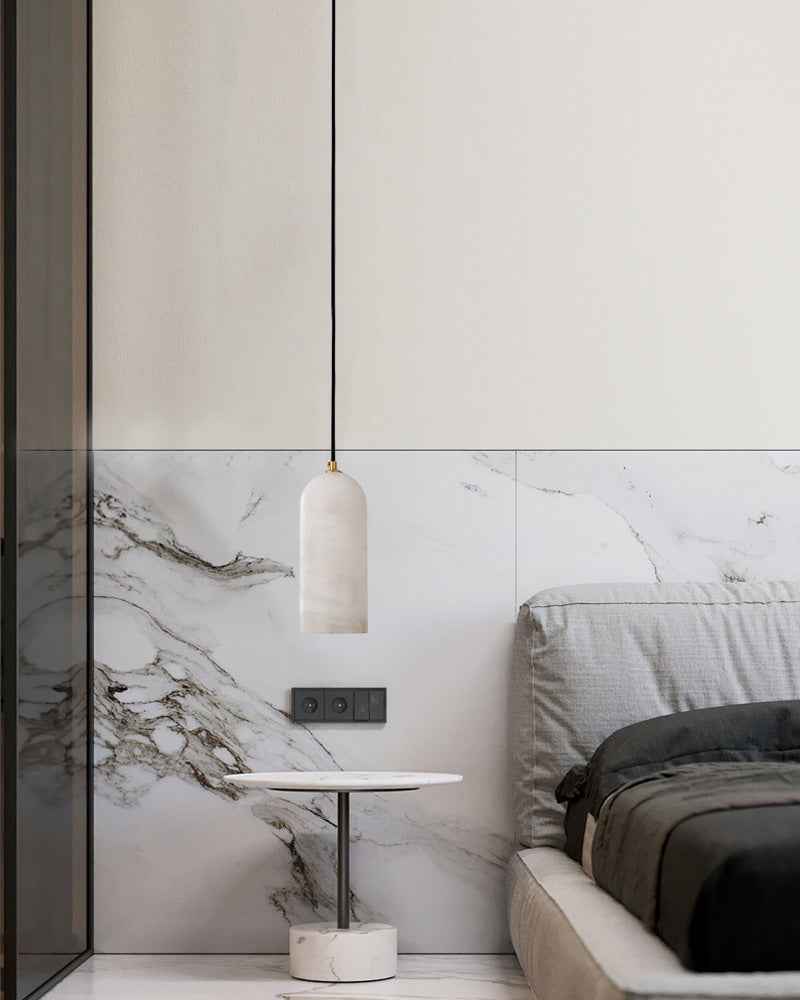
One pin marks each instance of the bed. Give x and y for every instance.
(588, 661)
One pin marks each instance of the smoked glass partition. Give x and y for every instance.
(46, 573)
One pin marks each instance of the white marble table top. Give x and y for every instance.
(342, 781)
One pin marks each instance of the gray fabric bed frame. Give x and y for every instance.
(588, 660)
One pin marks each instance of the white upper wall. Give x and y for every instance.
(560, 224)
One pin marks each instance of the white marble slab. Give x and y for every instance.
(52, 700)
(198, 645)
(266, 977)
(605, 516)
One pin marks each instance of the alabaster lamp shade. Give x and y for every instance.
(333, 555)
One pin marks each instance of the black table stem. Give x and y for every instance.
(344, 860)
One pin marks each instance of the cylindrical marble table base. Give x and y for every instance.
(325, 953)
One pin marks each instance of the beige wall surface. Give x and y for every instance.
(211, 231)
(560, 224)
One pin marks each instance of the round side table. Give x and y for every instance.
(342, 952)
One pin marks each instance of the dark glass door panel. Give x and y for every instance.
(47, 559)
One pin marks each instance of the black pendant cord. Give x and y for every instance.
(333, 230)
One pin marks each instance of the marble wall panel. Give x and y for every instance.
(197, 646)
(593, 516)
(52, 698)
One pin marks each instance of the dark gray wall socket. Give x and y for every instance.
(338, 704)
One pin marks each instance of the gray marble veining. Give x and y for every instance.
(51, 704)
(198, 645)
(656, 515)
(178, 706)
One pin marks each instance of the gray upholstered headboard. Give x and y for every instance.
(590, 659)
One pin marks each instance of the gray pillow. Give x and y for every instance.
(590, 659)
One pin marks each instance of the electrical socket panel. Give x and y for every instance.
(338, 705)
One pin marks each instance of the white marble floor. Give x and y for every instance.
(266, 977)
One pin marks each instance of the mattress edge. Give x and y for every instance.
(574, 942)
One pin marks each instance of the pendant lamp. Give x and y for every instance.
(333, 508)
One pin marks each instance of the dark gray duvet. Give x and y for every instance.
(708, 856)
(692, 820)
